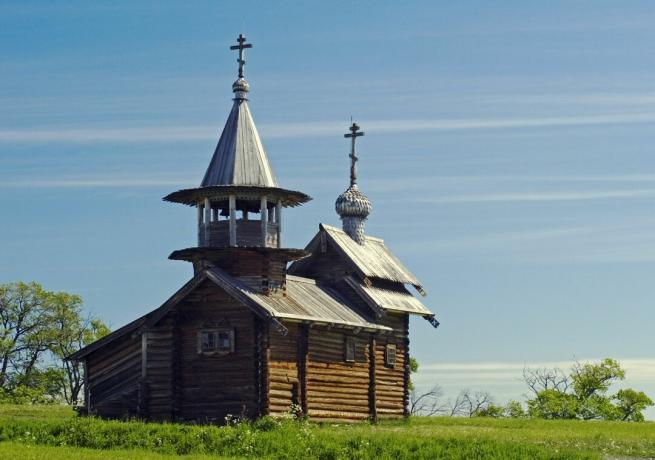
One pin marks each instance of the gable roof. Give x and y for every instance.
(240, 158)
(379, 298)
(372, 259)
(305, 301)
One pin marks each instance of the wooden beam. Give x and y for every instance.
(233, 220)
(372, 391)
(278, 221)
(201, 233)
(208, 211)
(406, 375)
(303, 356)
(144, 354)
(263, 209)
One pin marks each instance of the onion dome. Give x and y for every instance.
(353, 203)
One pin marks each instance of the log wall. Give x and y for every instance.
(114, 377)
(392, 383)
(283, 381)
(213, 386)
(337, 389)
(159, 373)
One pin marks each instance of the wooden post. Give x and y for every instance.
(144, 354)
(233, 220)
(142, 402)
(208, 219)
(303, 354)
(278, 221)
(201, 230)
(263, 209)
(176, 368)
(372, 393)
(407, 368)
(266, 359)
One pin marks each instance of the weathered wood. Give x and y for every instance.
(303, 356)
(372, 394)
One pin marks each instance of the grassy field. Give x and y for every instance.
(33, 432)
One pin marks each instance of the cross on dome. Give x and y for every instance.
(241, 39)
(355, 132)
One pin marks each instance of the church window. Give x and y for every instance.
(216, 341)
(390, 355)
(349, 352)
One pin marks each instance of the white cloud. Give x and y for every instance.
(540, 196)
(309, 129)
(637, 369)
(99, 183)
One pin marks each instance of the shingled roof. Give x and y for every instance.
(370, 259)
(305, 301)
(240, 158)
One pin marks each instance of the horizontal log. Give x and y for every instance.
(336, 379)
(339, 415)
(339, 371)
(337, 402)
(315, 389)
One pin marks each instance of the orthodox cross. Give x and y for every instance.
(241, 39)
(354, 134)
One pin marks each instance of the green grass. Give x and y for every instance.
(18, 451)
(55, 432)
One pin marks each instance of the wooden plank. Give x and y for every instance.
(372, 383)
(303, 357)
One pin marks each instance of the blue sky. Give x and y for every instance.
(508, 155)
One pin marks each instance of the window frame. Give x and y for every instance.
(390, 351)
(349, 350)
(217, 349)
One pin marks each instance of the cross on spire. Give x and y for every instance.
(355, 132)
(241, 39)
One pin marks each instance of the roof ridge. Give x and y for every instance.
(337, 229)
(301, 279)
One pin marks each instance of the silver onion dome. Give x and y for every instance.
(240, 88)
(353, 203)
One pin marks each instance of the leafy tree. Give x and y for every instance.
(630, 404)
(553, 404)
(24, 330)
(38, 329)
(583, 394)
(514, 409)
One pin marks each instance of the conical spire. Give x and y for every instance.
(240, 158)
(352, 205)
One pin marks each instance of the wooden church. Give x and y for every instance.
(249, 334)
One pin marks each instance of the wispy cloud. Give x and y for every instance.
(540, 196)
(99, 183)
(637, 369)
(309, 129)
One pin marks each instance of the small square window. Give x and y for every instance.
(208, 341)
(390, 355)
(349, 352)
(217, 341)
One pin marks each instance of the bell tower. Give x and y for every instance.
(239, 202)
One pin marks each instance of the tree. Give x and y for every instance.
(583, 394)
(427, 403)
(630, 404)
(72, 331)
(38, 329)
(25, 322)
(471, 404)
